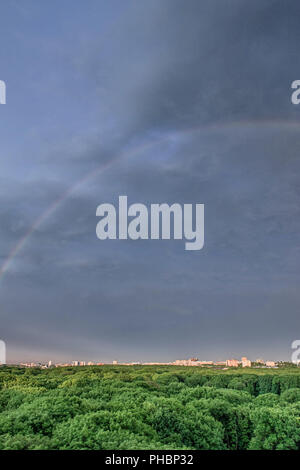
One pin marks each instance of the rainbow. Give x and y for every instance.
(126, 155)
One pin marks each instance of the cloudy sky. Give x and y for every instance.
(162, 101)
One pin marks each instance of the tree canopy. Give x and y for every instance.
(149, 407)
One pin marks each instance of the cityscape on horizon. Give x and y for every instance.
(192, 362)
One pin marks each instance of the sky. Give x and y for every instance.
(162, 101)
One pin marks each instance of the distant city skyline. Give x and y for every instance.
(244, 362)
(232, 361)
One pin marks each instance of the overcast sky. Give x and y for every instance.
(162, 101)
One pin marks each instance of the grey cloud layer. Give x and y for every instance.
(160, 69)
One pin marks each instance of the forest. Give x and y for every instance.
(149, 407)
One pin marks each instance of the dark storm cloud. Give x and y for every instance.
(200, 63)
(158, 69)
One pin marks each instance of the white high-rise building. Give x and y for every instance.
(246, 362)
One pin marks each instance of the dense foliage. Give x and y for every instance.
(149, 407)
